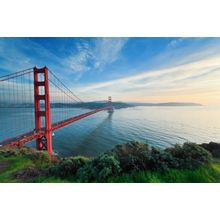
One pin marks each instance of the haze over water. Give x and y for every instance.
(158, 126)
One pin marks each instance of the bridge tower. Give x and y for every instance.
(42, 110)
(110, 110)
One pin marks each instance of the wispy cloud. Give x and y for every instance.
(107, 50)
(96, 55)
(21, 53)
(11, 53)
(189, 80)
(78, 62)
(176, 42)
(188, 69)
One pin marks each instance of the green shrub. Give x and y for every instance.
(133, 147)
(190, 156)
(39, 157)
(123, 159)
(132, 156)
(99, 169)
(16, 151)
(213, 148)
(28, 174)
(68, 166)
(26, 151)
(7, 153)
(135, 156)
(161, 160)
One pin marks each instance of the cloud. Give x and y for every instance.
(189, 80)
(95, 55)
(22, 53)
(107, 50)
(78, 62)
(176, 42)
(11, 56)
(183, 71)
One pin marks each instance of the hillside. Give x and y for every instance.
(130, 162)
(94, 105)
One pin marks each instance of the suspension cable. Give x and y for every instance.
(24, 72)
(63, 91)
(10, 74)
(65, 86)
(12, 77)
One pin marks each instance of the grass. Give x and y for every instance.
(52, 179)
(15, 163)
(32, 166)
(207, 174)
(19, 163)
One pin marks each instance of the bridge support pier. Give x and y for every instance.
(44, 142)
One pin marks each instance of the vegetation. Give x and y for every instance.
(86, 105)
(95, 105)
(213, 148)
(130, 162)
(68, 166)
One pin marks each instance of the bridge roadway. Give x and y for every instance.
(31, 135)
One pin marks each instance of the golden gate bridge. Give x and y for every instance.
(41, 90)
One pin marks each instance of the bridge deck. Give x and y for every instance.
(31, 135)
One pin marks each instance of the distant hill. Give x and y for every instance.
(100, 104)
(93, 105)
(118, 105)
(88, 105)
(166, 104)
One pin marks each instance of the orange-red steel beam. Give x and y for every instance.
(64, 123)
(46, 139)
(37, 134)
(43, 135)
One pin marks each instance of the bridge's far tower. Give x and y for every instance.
(110, 110)
(44, 142)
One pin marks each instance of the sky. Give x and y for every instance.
(128, 69)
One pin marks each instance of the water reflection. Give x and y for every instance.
(159, 126)
(85, 148)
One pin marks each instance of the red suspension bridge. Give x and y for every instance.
(40, 90)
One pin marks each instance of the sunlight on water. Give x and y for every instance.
(158, 126)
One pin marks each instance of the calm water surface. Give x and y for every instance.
(158, 126)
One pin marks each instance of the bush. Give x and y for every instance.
(12, 151)
(7, 153)
(99, 169)
(40, 157)
(190, 156)
(16, 151)
(135, 156)
(161, 160)
(132, 156)
(124, 158)
(68, 166)
(213, 148)
(28, 174)
(24, 151)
